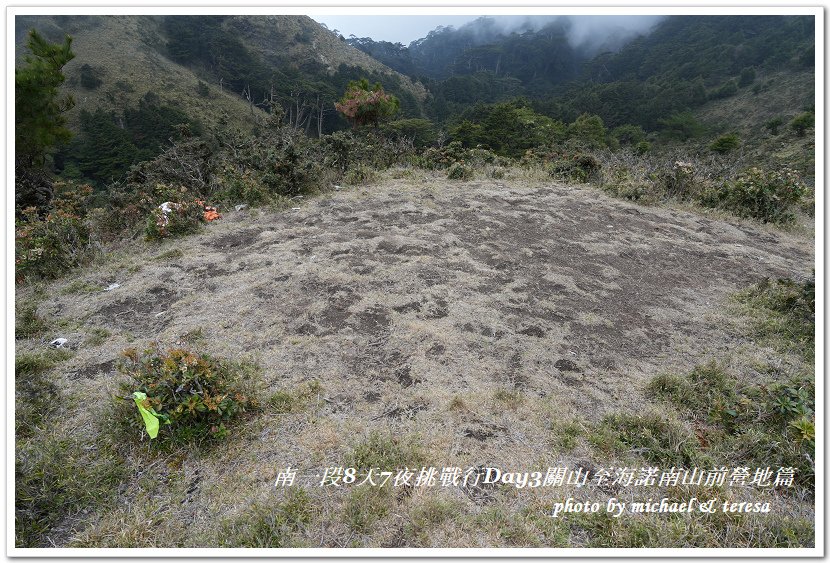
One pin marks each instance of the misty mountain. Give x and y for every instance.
(496, 44)
(635, 70)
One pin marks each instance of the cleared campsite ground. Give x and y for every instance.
(462, 323)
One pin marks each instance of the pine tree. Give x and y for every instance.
(39, 120)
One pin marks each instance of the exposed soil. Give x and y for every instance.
(399, 298)
(462, 286)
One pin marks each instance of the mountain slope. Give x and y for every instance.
(135, 79)
(123, 53)
(131, 55)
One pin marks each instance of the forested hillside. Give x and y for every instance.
(134, 79)
(681, 64)
(273, 292)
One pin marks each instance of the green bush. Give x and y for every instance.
(729, 88)
(629, 134)
(680, 126)
(90, 77)
(802, 122)
(459, 171)
(578, 167)
(679, 181)
(346, 149)
(202, 89)
(199, 394)
(620, 182)
(421, 132)
(773, 125)
(588, 131)
(47, 246)
(725, 143)
(236, 186)
(182, 218)
(747, 77)
(758, 194)
(444, 157)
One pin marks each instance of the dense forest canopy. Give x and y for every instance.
(535, 71)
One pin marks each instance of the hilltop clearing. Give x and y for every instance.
(465, 322)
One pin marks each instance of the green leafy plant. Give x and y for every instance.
(48, 246)
(759, 194)
(802, 122)
(200, 395)
(365, 105)
(459, 171)
(773, 125)
(576, 167)
(177, 218)
(725, 143)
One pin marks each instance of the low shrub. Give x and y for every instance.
(460, 171)
(759, 194)
(343, 150)
(175, 218)
(725, 143)
(48, 246)
(802, 122)
(359, 173)
(438, 158)
(198, 394)
(660, 440)
(577, 167)
(678, 181)
(621, 182)
(784, 314)
(642, 147)
(760, 425)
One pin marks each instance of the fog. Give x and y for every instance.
(589, 33)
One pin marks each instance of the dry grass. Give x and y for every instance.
(416, 321)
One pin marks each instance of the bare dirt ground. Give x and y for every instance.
(400, 297)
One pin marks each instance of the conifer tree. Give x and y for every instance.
(39, 109)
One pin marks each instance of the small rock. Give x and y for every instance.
(58, 343)
(241, 207)
(112, 286)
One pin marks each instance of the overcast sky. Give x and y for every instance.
(396, 29)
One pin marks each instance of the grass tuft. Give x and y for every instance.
(270, 525)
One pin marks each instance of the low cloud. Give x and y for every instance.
(586, 33)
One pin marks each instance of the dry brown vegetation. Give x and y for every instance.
(416, 321)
